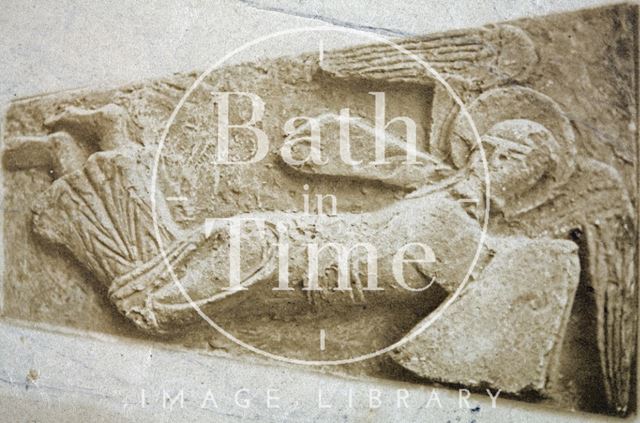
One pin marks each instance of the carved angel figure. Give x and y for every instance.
(545, 202)
(577, 198)
(584, 200)
(99, 208)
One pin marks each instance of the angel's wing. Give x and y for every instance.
(478, 58)
(593, 209)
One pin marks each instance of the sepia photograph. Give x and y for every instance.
(305, 211)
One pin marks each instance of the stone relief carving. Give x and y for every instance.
(559, 218)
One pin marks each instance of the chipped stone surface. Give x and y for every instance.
(469, 345)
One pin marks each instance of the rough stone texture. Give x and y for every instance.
(467, 344)
(525, 85)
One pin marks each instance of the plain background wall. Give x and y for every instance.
(50, 45)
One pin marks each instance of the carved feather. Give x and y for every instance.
(482, 58)
(595, 203)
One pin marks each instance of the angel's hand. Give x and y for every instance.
(76, 134)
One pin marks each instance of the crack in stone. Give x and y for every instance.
(337, 22)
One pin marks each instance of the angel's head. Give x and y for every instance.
(528, 143)
(520, 154)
